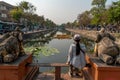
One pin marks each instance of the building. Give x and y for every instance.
(5, 12)
(7, 23)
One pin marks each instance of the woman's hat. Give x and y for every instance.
(77, 37)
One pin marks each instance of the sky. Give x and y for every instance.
(59, 11)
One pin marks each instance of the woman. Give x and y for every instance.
(76, 56)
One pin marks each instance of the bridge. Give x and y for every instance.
(98, 70)
(58, 74)
(56, 65)
(24, 69)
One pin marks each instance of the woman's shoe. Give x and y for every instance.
(70, 74)
(76, 74)
(88, 65)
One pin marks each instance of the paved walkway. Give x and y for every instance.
(50, 76)
(64, 76)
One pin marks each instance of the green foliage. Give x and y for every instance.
(104, 17)
(49, 24)
(101, 19)
(98, 12)
(114, 12)
(16, 13)
(27, 7)
(95, 20)
(42, 50)
(24, 5)
(94, 11)
(99, 3)
(100, 15)
(75, 23)
(84, 19)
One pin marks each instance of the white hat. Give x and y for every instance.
(77, 37)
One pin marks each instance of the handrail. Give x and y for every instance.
(49, 64)
(56, 65)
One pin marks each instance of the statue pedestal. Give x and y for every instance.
(17, 70)
(102, 71)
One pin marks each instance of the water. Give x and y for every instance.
(62, 45)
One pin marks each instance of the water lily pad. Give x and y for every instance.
(45, 50)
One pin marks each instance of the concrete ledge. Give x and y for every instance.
(101, 71)
(49, 64)
(16, 70)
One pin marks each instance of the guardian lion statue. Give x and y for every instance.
(11, 46)
(106, 48)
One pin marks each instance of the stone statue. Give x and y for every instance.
(19, 35)
(106, 48)
(11, 46)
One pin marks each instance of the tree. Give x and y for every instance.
(104, 17)
(49, 24)
(99, 3)
(114, 12)
(75, 23)
(16, 13)
(28, 10)
(27, 7)
(68, 25)
(84, 19)
(24, 13)
(41, 20)
(23, 10)
(97, 11)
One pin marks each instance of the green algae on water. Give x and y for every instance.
(45, 50)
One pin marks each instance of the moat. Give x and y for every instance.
(60, 44)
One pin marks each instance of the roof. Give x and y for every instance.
(6, 4)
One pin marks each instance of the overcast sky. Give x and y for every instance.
(59, 11)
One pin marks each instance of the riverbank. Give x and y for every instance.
(30, 34)
(92, 34)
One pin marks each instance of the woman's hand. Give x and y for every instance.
(68, 63)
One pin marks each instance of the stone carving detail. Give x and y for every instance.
(11, 46)
(108, 51)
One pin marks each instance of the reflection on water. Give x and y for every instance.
(39, 39)
(62, 45)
